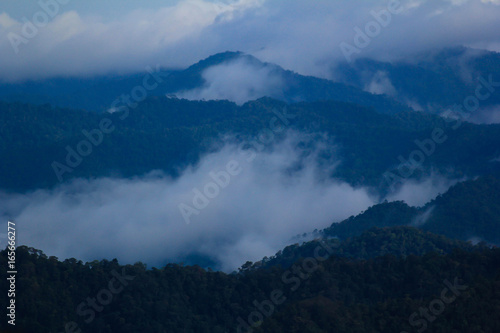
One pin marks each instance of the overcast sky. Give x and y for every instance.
(96, 37)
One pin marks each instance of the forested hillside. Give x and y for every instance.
(250, 166)
(315, 295)
(98, 94)
(167, 134)
(432, 82)
(469, 210)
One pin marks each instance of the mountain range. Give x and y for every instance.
(431, 82)
(383, 129)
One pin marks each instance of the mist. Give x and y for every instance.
(418, 193)
(381, 84)
(255, 203)
(275, 196)
(489, 115)
(238, 81)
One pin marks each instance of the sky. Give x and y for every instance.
(108, 10)
(87, 38)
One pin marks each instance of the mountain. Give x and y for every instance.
(98, 94)
(399, 241)
(391, 295)
(469, 210)
(294, 88)
(92, 94)
(433, 81)
(168, 134)
(387, 214)
(391, 268)
(318, 294)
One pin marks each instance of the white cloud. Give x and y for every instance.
(488, 115)
(418, 193)
(381, 84)
(282, 193)
(74, 45)
(257, 214)
(6, 21)
(238, 81)
(300, 35)
(422, 218)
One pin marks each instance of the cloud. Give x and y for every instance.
(422, 218)
(490, 115)
(73, 45)
(299, 35)
(238, 81)
(239, 208)
(380, 84)
(418, 193)
(278, 195)
(6, 21)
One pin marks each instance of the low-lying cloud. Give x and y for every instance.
(238, 81)
(257, 203)
(276, 196)
(489, 115)
(381, 84)
(418, 193)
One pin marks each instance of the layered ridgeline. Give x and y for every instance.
(469, 212)
(392, 268)
(45, 145)
(457, 282)
(432, 81)
(231, 75)
(346, 283)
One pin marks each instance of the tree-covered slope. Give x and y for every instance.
(397, 295)
(434, 81)
(387, 214)
(167, 134)
(400, 241)
(99, 93)
(340, 294)
(469, 210)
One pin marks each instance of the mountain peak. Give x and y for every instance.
(220, 58)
